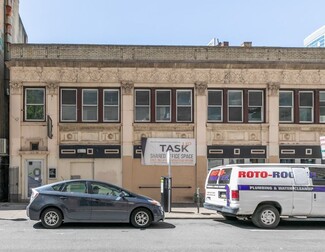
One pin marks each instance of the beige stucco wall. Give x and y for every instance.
(199, 69)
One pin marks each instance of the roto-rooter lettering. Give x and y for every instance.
(265, 174)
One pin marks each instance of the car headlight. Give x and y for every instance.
(154, 202)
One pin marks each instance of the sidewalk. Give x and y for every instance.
(16, 211)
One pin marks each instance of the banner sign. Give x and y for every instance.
(181, 151)
(322, 146)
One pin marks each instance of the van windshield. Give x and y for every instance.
(219, 177)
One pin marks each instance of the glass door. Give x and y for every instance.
(34, 174)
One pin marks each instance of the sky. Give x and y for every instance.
(280, 23)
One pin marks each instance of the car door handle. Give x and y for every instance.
(314, 196)
(63, 197)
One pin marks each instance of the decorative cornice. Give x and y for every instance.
(201, 87)
(127, 87)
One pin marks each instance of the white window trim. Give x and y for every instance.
(142, 106)
(118, 104)
(185, 106)
(90, 105)
(216, 106)
(235, 106)
(25, 105)
(262, 106)
(321, 121)
(292, 108)
(312, 106)
(61, 105)
(157, 106)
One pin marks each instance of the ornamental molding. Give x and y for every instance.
(15, 87)
(201, 87)
(273, 88)
(127, 87)
(52, 87)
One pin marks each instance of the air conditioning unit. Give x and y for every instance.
(3, 146)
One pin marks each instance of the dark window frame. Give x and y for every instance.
(173, 93)
(100, 104)
(245, 108)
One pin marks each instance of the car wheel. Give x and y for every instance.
(266, 216)
(141, 218)
(51, 218)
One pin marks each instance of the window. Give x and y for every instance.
(317, 175)
(235, 105)
(306, 108)
(90, 105)
(111, 105)
(255, 106)
(142, 105)
(322, 106)
(184, 105)
(286, 106)
(163, 105)
(215, 105)
(35, 104)
(69, 105)
(75, 187)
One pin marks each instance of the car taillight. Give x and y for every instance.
(34, 195)
(235, 195)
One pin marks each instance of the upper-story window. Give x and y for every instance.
(69, 105)
(255, 105)
(90, 105)
(322, 106)
(35, 104)
(235, 105)
(286, 106)
(215, 99)
(306, 106)
(163, 105)
(184, 105)
(142, 105)
(111, 105)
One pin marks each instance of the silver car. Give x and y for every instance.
(91, 201)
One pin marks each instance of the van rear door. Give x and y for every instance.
(217, 190)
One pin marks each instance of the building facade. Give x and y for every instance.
(316, 39)
(11, 31)
(80, 111)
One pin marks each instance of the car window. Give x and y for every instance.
(317, 175)
(75, 187)
(219, 177)
(104, 189)
(57, 187)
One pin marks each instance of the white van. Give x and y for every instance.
(264, 192)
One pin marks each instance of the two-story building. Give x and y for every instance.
(80, 111)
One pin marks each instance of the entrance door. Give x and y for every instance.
(34, 174)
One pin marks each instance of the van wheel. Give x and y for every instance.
(266, 216)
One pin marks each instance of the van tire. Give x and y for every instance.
(266, 216)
